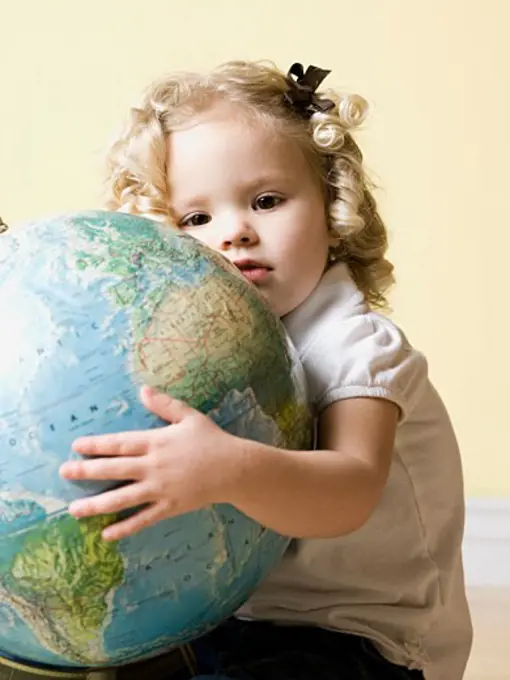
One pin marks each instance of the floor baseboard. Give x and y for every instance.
(487, 542)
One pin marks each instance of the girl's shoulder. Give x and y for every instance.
(348, 350)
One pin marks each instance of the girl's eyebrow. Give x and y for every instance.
(263, 180)
(191, 201)
(250, 187)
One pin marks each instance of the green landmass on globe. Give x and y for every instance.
(65, 572)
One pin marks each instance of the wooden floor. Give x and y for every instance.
(490, 659)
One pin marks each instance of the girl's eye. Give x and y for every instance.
(195, 220)
(267, 202)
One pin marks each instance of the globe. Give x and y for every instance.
(92, 305)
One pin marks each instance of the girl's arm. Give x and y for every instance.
(324, 493)
(193, 463)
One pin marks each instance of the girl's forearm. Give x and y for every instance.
(304, 493)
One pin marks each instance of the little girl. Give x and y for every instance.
(262, 168)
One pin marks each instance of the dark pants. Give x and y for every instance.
(264, 651)
(242, 650)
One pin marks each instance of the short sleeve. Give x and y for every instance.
(364, 355)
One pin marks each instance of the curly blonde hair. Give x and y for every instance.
(137, 161)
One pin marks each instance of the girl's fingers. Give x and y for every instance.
(116, 500)
(133, 443)
(121, 469)
(134, 524)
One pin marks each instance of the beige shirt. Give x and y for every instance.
(398, 580)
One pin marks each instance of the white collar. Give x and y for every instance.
(335, 290)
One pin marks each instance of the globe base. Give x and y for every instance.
(178, 664)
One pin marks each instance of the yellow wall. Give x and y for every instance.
(437, 75)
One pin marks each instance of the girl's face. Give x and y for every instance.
(250, 194)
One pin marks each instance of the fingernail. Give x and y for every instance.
(149, 391)
(66, 470)
(75, 509)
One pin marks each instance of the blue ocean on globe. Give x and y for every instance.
(92, 305)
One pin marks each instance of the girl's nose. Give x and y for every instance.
(238, 235)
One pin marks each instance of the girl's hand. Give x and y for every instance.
(172, 470)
